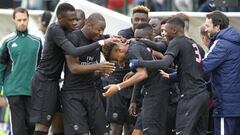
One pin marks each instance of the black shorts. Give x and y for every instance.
(154, 113)
(117, 110)
(83, 112)
(45, 99)
(138, 124)
(192, 114)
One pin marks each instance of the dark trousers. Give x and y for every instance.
(227, 125)
(192, 115)
(19, 110)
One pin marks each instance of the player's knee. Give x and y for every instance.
(41, 127)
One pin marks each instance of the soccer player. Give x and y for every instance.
(83, 110)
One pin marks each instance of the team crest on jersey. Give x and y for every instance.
(115, 115)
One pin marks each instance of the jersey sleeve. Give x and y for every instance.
(60, 39)
(57, 34)
(134, 52)
(173, 49)
(215, 57)
(4, 60)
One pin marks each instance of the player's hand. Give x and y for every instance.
(133, 64)
(128, 75)
(121, 38)
(106, 67)
(164, 74)
(133, 109)
(112, 40)
(110, 90)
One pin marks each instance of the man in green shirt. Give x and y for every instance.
(19, 55)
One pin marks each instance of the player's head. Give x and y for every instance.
(186, 20)
(95, 26)
(21, 18)
(204, 35)
(116, 52)
(139, 15)
(143, 30)
(174, 27)
(155, 23)
(216, 21)
(162, 26)
(67, 16)
(80, 18)
(45, 19)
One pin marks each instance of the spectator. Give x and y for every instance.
(184, 5)
(153, 5)
(19, 49)
(117, 4)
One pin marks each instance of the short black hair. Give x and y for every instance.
(95, 17)
(218, 18)
(107, 50)
(45, 18)
(164, 20)
(21, 10)
(63, 8)
(144, 26)
(176, 21)
(80, 12)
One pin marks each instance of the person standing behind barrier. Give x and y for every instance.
(20, 53)
(223, 61)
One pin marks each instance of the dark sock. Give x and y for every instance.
(58, 134)
(40, 133)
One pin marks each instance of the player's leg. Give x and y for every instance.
(138, 126)
(57, 124)
(115, 113)
(154, 114)
(189, 114)
(96, 114)
(74, 113)
(116, 129)
(43, 103)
